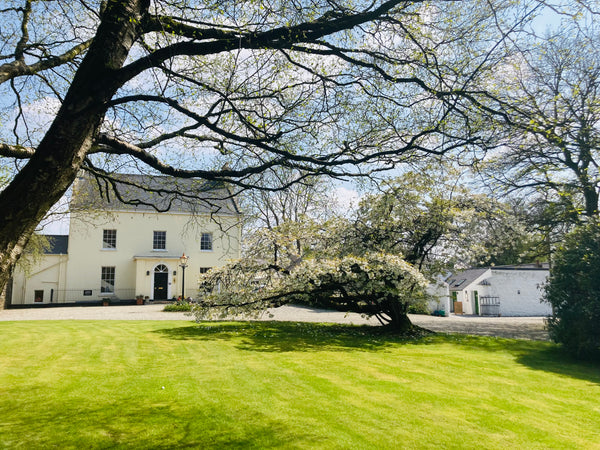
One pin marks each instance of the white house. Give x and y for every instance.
(501, 290)
(130, 244)
(439, 295)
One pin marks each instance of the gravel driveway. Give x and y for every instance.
(511, 327)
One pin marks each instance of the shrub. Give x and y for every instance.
(179, 306)
(573, 290)
(419, 308)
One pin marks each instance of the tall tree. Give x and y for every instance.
(272, 207)
(574, 292)
(551, 95)
(224, 91)
(436, 223)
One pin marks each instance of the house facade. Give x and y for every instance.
(129, 243)
(500, 291)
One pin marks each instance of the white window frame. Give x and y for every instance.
(107, 274)
(204, 238)
(106, 240)
(155, 241)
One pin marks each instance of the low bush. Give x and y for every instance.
(179, 306)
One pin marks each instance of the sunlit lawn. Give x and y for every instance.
(106, 384)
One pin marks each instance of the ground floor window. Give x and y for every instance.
(107, 280)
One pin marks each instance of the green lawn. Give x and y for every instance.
(106, 384)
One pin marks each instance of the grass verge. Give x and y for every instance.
(99, 384)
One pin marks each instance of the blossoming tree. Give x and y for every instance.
(375, 284)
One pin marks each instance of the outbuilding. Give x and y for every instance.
(514, 290)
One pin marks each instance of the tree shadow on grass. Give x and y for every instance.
(272, 336)
(537, 355)
(307, 336)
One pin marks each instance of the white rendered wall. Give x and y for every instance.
(48, 275)
(134, 239)
(519, 291)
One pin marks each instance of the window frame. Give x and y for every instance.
(156, 239)
(107, 238)
(107, 274)
(203, 242)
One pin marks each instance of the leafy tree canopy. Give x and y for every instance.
(228, 91)
(574, 292)
(435, 222)
(549, 137)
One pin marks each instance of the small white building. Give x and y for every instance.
(439, 298)
(129, 245)
(500, 291)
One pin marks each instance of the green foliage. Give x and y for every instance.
(436, 223)
(410, 217)
(419, 308)
(37, 245)
(573, 290)
(550, 149)
(178, 306)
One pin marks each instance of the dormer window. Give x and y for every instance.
(159, 240)
(459, 282)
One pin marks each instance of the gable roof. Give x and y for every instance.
(59, 244)
(131, 192)
(531, 266)
(460, 280)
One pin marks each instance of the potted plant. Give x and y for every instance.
(139, 300)
(106, 301)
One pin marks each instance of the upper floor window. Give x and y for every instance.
(206, 243)
(109, 239)
(107, 280)
(204, 269)
(159, 241)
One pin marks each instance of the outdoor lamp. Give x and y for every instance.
(183, 264)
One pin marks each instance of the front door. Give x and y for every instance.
(161, 282)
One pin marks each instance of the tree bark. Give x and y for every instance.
(61, 153)
(398, 313)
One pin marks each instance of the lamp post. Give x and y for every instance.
(183, 264)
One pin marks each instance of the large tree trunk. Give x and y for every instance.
(394, 315)
(60, 154)
(398, 312)
(590, 196)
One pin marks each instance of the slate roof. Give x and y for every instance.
(459, 280)
(531, 266)
(131, 192)
(59, 244)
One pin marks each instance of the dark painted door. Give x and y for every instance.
(160, 285)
